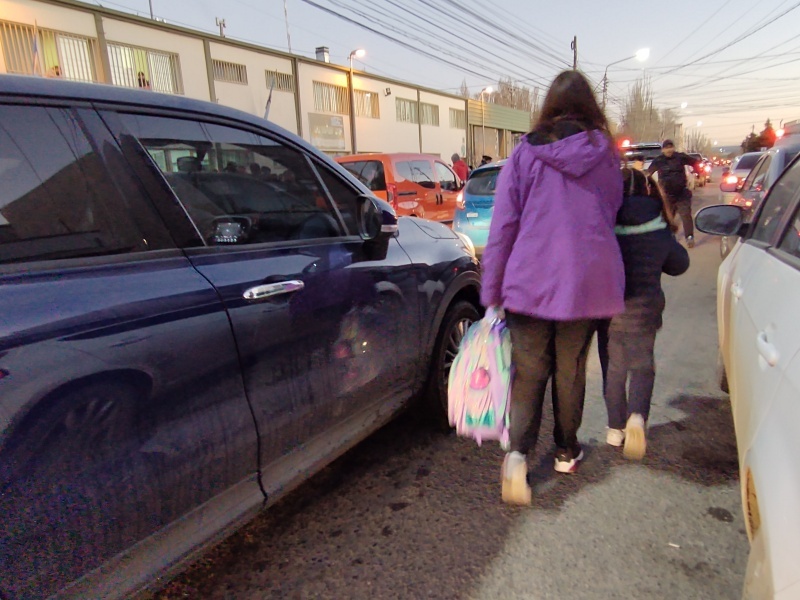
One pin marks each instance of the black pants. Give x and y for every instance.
(682, 205)
(540, 349)
(625, 354)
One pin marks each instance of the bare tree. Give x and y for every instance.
(641, 120)
(698, 142)
(464, 91)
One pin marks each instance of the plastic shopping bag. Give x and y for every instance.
(479, 387)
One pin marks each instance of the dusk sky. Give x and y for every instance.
(734, 62)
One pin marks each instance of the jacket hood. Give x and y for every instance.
(637, 210)
(574, 155)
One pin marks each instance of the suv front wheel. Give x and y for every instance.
(454, 327)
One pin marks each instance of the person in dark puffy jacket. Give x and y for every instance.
(671, 169)
(646, 238)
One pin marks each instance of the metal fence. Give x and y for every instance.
(31, 50)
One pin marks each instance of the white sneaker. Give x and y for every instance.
(615, 437)
(635, 438)
(515, 480)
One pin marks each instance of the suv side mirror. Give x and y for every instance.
(377, 224)
(722, 219)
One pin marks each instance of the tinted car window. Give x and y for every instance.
(57, 199)
(483, 183)
(791, 239)
(345, 198)
(757, 175)
(418, 171)
(368, 172)
(239, 188)
(777, 203)
(447, 179)
(747, 161)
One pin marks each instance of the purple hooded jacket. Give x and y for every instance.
(552, 252)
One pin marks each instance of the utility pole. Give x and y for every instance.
(221, 24)
(151, 9)
(286, 17)
(574, 46)
(605, 89)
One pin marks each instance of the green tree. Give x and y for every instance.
(768, 136)
(752, 143)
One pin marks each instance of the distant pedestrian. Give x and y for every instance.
(553, 264)
(672, 177)
(645, 232)
(485, 160)
(141, 80)
(460, 167)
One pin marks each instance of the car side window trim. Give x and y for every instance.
(329, 196)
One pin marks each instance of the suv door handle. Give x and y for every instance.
(767, 350)
(270, 290)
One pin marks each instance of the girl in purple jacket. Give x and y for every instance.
(553, 264)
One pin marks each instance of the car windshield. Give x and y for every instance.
(368, 172)
(483, 182)
(747, 161)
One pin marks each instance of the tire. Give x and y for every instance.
(456, 321)
(75, 428)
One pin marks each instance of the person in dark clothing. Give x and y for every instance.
(670, 166)
(626, 342)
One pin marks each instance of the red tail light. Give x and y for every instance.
(391, 194)
(460, 204)
(731, 179)
(708, 169)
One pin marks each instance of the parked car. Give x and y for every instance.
(736, 174)
(418, 185)
(750, 192)
(758, 292)
(198, 311)
(475, 205)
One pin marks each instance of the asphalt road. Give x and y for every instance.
(413, 514)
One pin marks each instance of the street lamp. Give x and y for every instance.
(641, 55)
(486, 90)
(358, 53)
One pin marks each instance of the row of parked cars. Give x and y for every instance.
(758, 294)
(198, 311)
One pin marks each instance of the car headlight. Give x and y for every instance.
(468, 245)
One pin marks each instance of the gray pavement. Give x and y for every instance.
(412, 514)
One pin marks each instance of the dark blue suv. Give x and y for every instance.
(198, 310)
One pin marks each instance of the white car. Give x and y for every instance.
(758, 311)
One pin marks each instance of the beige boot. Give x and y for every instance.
(515, 480)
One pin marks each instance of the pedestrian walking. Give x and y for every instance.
(485, 160)
(670, 166)
(552, 263)
(645, 231)
(460, 168)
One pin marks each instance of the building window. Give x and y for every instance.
(429, 114)
(228, 71)
(367, 104)
(30, 50)
(284, 82)
(330, 98)
(407, 111)
(458, 119)
(148, 69)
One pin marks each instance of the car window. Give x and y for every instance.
(345, 198)
(483, 183)
(447, 179)
(368, 172)
(57, 200)
(776, 204)
(238, 187)
(755, 179)
(418, 171)
(747, 161)
(791, 238)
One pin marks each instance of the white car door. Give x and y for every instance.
(765, 329)
(770, 462)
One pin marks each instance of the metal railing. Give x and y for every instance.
(31, 50)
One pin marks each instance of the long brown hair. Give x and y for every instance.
(570, 97)
(636, 183)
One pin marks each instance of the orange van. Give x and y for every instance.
(419, 185)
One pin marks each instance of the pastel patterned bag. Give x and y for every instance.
(479, 387)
